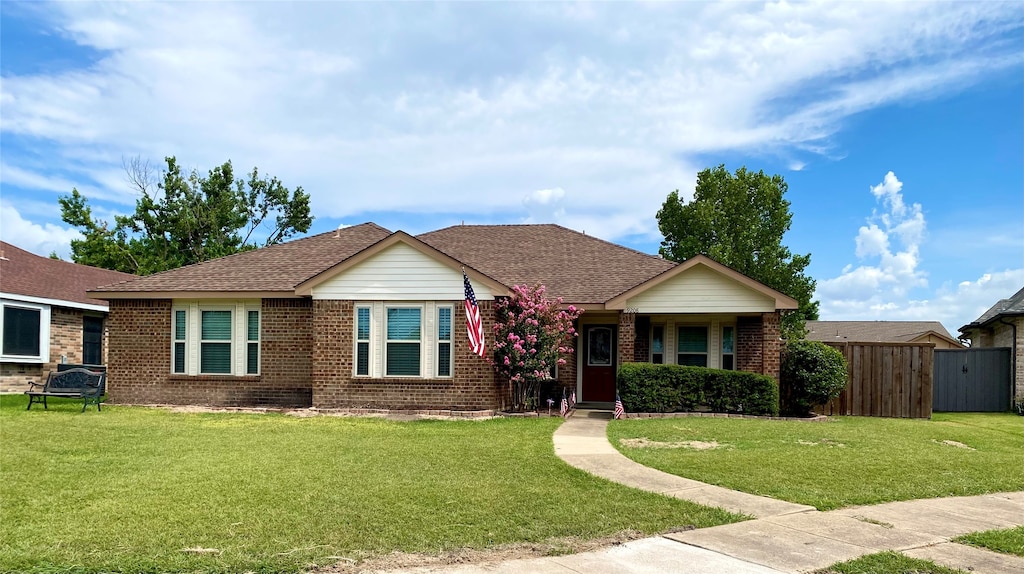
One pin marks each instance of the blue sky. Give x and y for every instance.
(899, 127)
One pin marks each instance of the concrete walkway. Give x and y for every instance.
(784, 537)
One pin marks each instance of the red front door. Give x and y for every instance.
(598, 363)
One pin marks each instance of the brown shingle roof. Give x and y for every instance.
(577, 267)
(1003, 308)
(873, 331)
(275, 268)
(25, 273)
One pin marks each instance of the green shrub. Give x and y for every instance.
(812, 374)
(648, 388)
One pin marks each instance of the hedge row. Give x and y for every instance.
(647, 388)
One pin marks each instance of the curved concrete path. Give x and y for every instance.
(582, 441)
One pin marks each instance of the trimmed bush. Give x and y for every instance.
(649, 388)
(812, 374)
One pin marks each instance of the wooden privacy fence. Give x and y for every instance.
(885, 380)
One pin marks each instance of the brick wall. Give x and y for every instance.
(758, 344)
(626, 338)
(139, 359)
(474, 385)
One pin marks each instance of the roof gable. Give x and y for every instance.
(27, 274)
(700, 262)
(422, 255)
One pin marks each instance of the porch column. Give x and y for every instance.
(627, 337)
(771, 344)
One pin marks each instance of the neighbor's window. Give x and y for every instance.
(180, 347)
(363, 341)
(692, 346)
(215, 342)
(658, 344)
(729, 347)
(444, 341)
(402, 347)
(92, 340)
(26, 332)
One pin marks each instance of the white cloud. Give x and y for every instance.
(890, 286)
(39, 239)
(463, 108)
(545, 205)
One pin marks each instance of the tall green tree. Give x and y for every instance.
(739, 220)
(183, 218)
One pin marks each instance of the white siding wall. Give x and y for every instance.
(701, 290)
(399, 273)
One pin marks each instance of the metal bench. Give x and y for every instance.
(70, 384)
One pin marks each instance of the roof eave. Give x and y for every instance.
(126, 295)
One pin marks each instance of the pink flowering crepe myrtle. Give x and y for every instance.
(532, 334)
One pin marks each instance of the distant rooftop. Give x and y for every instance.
(874, 331)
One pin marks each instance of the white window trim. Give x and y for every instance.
(356, 340)
(428, 337)
(425, 365)
(239, 335)
(258, 341)
(450, 341)
(721, 346)
(44, 332)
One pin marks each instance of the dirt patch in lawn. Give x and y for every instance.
(954, 443)
(644, 442)
(502, 553)
(821, 442)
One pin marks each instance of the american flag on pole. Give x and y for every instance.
(619, 411)
(474, 326)
(564, 410)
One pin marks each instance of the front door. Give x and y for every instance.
(598, 363)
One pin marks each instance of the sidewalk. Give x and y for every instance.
(783, 537)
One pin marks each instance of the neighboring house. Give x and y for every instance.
(1002, 326)
(47, 317)
(363, 317)
(882, 332)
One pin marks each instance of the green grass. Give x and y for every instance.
(888, 563)
(128, 489)
(1008, 541)
(844, 462)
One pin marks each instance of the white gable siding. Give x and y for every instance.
(701, 290)
(399, 273)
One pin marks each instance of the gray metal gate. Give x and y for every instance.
(972, 380)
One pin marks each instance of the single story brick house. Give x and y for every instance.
(46, 316)
(1002, 326)
(363, 317)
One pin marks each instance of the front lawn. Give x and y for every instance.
(846, 461)
(147, 490)
(1008, 541)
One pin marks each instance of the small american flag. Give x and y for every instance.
(474, 325)
(564, 410)
(619, 411)
(572, 400)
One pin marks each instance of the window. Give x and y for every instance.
(215, 338)
(215, 342)
(599, 347)
(363, 341)
(444, 341)
(657, 344)
(179, 350)
(729, 347)
(26, 332)
(402, 347)
(252, 347)
(92, 340)
(692, 346)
